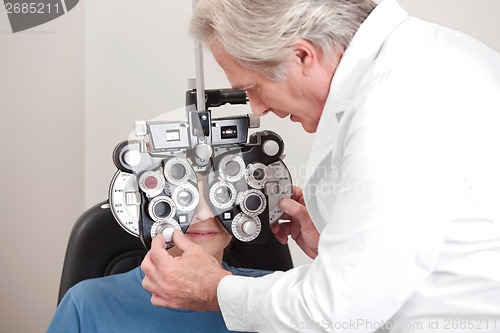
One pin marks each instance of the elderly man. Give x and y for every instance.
(403, 185)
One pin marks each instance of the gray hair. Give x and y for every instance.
(259, 33)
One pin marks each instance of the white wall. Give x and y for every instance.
(479, 18)
(72, 89)
(41, 169)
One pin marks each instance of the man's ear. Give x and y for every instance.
(306, 56)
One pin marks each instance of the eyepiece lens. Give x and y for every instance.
(185, 198)
(223, 195)
(232, 168)
(258, 174)
(253, 202)
(177, 171)
(151, 182)
(162, 209)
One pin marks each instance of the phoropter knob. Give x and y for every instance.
(246, 228)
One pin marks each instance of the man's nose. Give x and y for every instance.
(258, 107)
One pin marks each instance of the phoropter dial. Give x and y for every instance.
(222, 195)
(161, 208)
(252, 202)
(124, 201)
(255, 175)
(232, 168)
(158, 227)
(186, 197)
(152, 183)
(177, 171)
(246, 228)
(166, 228)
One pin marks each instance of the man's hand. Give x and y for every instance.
(300, 227)
(186, 282)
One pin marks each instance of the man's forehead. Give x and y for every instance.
(239, 77)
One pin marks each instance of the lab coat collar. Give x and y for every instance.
(357, 58)
(363, 49)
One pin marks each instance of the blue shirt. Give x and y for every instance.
(119, 303)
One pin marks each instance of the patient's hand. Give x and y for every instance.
(186, 282)
(300, 227)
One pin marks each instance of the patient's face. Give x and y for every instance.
(205, 229)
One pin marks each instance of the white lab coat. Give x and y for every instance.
(404, 187)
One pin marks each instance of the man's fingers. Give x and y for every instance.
(150, 275)
(157, 257)
(275, 228)
(281, 231)
(158, 243)
(160, 301)
(294, 209)
(149, 285)
(297, 193)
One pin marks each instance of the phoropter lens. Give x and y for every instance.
(162, 209)
(253, 203)
(185, 198)
(232, 168)
(258, 174)
(177, 171)
(222, 195)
